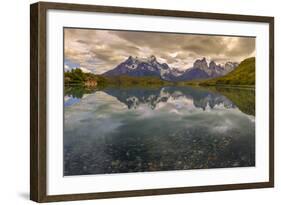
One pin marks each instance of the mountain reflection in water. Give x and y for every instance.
(121, 130)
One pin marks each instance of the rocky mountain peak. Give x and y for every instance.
(129, 59)
(152, 58)
(212, 65)
(202, 64)
(229, 66)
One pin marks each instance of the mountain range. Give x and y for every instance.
(141, 67)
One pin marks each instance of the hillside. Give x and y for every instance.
(124, 80)
(77, 77)
(244, 74)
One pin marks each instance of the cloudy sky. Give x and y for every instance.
(98, 51)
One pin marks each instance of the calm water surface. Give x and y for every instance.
(120, 130)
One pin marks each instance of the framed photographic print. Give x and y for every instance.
(134, 102)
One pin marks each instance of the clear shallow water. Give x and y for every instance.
(120, 130)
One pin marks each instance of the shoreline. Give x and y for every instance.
(250, 87)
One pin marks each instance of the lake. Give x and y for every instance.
(121, 130)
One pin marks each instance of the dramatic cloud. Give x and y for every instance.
(101, 50)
